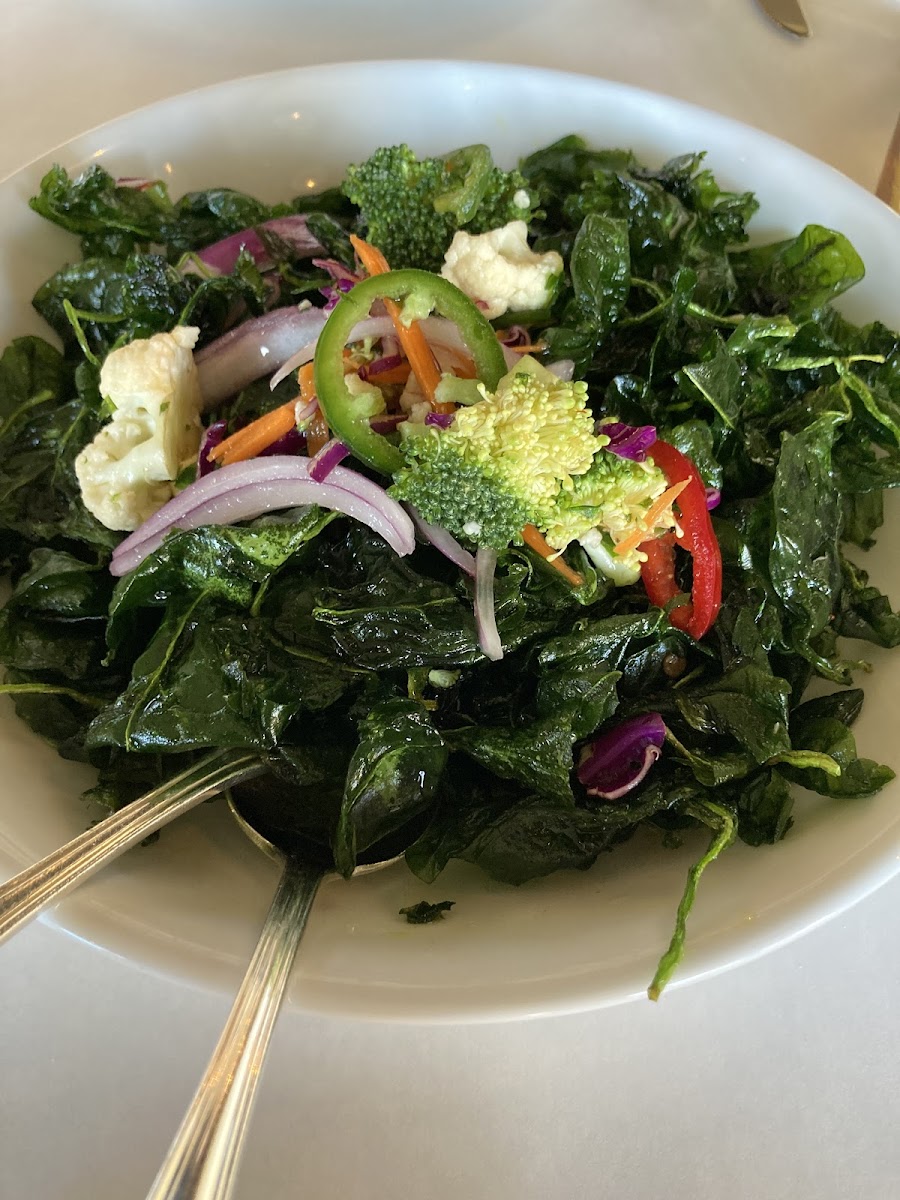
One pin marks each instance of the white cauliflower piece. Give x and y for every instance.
(126, 473)
(500, 271)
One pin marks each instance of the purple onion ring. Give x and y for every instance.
(331, 455)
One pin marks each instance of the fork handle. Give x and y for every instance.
(203, 1159)
(27, 893)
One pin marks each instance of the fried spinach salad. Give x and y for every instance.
(505, 508)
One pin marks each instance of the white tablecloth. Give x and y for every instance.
(775, 1080)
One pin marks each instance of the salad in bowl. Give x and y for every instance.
(515, 507)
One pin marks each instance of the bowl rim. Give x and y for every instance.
(873, 863)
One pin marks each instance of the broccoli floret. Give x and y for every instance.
(605, 505)
(411, 208)
(503, 461)
(449, 489)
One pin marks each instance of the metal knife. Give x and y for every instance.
(786, 13)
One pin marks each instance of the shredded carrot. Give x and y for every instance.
(317, 433)
(306, 380)
(257, 436)
(656, 509)
(528, 348)
(261, 433)
(464, 369)
(411, 338)
(536, 540)
(394, 375)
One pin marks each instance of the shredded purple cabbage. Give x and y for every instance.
(713, 498)
(291, 442)
(628, 441)
(213, 436)
(379, 366)
(335, 269)
(441, 420)
(516, 335)
(386, 422)
(619, 759)
(332, 294)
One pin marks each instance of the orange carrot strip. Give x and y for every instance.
(317, 431)
(535, 539)
(411, 337)
(317, 434)
(307, 382)
(528, 348)
(394, 375)
(464, 370)
(656, 509)
(257, 436)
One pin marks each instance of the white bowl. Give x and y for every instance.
(192, 904)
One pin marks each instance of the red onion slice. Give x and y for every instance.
(136, 182)
(713, 498)
(331, 455)
(248, 489)
(443, 540)
(254, 349)
(485, 617)
(619, 759)
(221, 257)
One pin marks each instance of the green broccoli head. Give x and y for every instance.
(450, 489)
(610, 501)
(412, 207)
(501, 464)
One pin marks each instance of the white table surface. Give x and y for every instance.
(778, 1079)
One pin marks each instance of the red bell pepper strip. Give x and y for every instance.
(697, 537)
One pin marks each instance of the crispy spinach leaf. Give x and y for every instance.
(601, 269)
(864, 611)
(747, 704)
(212, 677)
(831, 736)
(393, 777)
(804, 562)
(424, 913)
(799, 275)
(227, 563)
(111, 218)
(538, 756)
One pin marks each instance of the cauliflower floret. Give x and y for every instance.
(126, 472)
(113, 485)
(500, 271)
